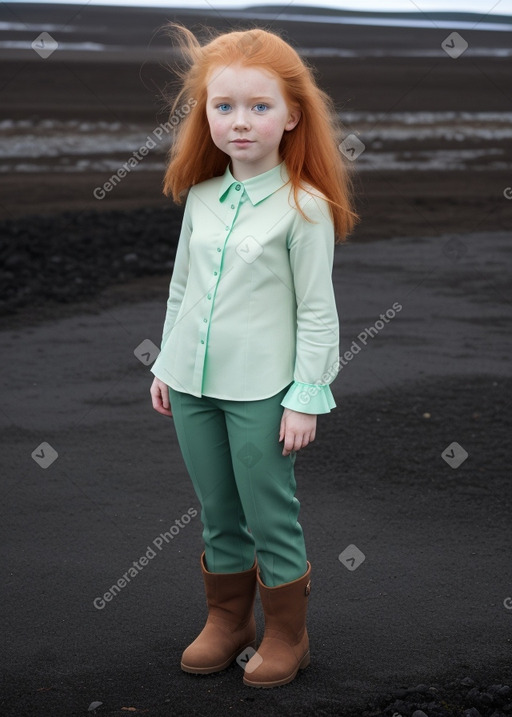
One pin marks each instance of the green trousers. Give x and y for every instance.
(245, 486)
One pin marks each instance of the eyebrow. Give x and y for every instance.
(252, 99)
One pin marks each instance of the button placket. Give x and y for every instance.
(217, 272)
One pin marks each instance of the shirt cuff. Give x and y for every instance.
(309, 398)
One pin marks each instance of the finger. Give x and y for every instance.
(299, 442)
(285, 450)
(307, 438)
(289, 441)
(155, 395)
(284, 417)
(156, 399)
(281, 429)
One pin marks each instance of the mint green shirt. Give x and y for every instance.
(251, 305)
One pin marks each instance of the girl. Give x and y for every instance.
(250, 338)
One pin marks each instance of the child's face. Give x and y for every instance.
(246, 103)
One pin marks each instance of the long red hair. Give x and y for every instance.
(310, 150)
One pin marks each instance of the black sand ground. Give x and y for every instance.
(430, 604)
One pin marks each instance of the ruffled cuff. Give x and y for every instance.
(309, 398)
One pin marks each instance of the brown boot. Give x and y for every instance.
(230, 626)
(285, 646)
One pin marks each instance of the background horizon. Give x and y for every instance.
(502, 7)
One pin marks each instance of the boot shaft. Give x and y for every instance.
(285, 607)
(229, 596)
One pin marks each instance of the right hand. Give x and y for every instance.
(160, 396)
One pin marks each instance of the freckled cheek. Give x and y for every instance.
(268, 130)
(219, 130)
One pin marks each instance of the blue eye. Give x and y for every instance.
(223, 104)
(262, 105)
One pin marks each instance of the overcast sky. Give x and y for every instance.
(493, 7)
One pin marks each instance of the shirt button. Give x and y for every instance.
(227, 228)
(209, 296)
(205, 321)
(237, 187)
(232, 206)
(218, 248)
(215, 273)
(202, 341)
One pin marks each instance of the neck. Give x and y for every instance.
(242, 171)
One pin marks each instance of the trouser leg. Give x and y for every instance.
(202, 435)
(242, 480)
(266, 485)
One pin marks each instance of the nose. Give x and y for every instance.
(240, 119)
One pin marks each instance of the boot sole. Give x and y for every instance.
(277, 683)
(216, 668)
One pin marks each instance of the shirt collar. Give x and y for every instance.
(259, 187)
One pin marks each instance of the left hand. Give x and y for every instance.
(298, 429)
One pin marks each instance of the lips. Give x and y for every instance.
(242, 141)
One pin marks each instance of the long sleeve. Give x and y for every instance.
(311, 253)
(179, 274)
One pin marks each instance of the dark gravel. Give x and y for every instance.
(130, 658)
(388, 450)
(72, 256)
(458, 697)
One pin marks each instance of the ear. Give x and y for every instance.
(293, 119)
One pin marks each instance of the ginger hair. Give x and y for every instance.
(310, 150)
